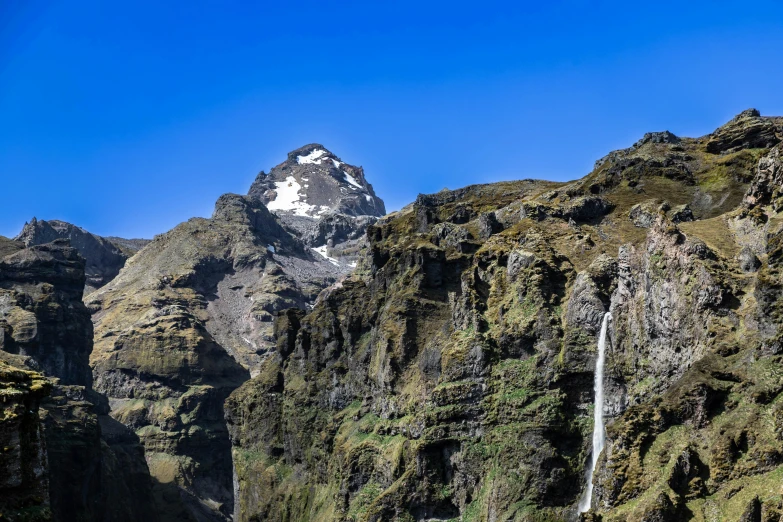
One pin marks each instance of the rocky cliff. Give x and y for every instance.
(450, 377)
(105, 256)
(190, 318)
(41, 312)
(63, 458)
(24, 484)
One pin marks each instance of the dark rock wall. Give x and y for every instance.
(60, 463)
(41, 312)
(24, 482)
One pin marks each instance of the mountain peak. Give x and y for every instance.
(314, 153)
(312, 182)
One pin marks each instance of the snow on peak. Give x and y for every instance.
(350, 179)
(288, 198)
(313, 157)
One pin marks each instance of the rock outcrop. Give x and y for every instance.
(451, 376)
(104, 256)
(41, 312)
(747, 130)
(63, 458)
(24, 484)
(313, 182)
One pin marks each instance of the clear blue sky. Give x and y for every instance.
(127, 118)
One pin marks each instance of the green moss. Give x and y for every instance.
(362, 500)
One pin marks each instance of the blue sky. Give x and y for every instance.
(127, 118)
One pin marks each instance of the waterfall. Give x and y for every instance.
(599, 433)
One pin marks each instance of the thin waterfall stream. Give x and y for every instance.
(599, 431)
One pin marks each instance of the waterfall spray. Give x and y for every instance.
(599, 433)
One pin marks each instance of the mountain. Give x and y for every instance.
(451, 376)
(322, 200)
(63, 458)
(299, 356)
(313, 182)
(190, 318)
(105, 256)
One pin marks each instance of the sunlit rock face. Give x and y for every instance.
(190, 317)
(312, 182)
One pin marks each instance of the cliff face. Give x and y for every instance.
(24, 485)
(451, 376)
(63, 459)
(177, 331)
(41, 312)
(104, 256)
(239, 373)
(190, 318)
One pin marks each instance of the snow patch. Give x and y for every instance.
(350, 179)
(367, 197)
(321, 250)
(288, 198)
(337, 163)
(312, 157)
(271, 248)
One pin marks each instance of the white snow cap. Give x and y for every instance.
(312, 157)
(289, 199)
